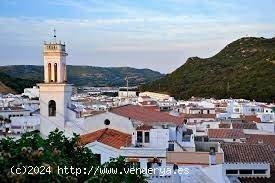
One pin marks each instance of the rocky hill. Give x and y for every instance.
(243, 69)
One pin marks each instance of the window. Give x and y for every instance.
(208, 112)
(147, 137)
(107, 122)
(139, 137)
(98, 158)
(55, 72)
(52, 108)
(245, 171)
(259, 171)
(49, 72)
(212, 151)
(231, 172)
(171, 147)
(207, 126)
(149, 165)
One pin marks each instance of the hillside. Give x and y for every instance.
(5, 89)
(88, 75)
(10, 84)
(243, 69)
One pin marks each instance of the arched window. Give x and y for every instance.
(49, 71)
(55, 72)
(52, 108)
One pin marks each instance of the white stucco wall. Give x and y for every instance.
(120, 123)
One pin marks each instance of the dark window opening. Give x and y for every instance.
(52, 108)
(259, 171)
(171, 147)
(98, 158)
(245, 171)
(231, 171)
(49, 72)
(149, 165)
(55, 72)
(139, 137)
(147, 137)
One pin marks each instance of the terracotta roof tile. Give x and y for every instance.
(224, 125)
(147, 116)
(244, 126)
(107, 136)
(247, 153)
(264, 139)
(200, 116)
(226, 133)
(250, 118)
(144, 127)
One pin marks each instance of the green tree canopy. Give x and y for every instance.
(53, 152)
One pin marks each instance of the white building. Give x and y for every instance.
(31, 92)
(24, 124)
(55, 93)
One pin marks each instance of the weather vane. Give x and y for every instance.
(54, 34)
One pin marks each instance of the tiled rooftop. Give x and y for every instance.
(224, 125)
(108, 137)
(247, 153)
(250, 118)
(264, 139)
(147, 116)
(244, 126)
(226, 133)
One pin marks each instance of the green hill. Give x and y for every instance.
(87, 75)
(10, 84)
(243, 69)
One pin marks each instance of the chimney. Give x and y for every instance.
(212, 156)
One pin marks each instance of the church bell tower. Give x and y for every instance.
(55, 93)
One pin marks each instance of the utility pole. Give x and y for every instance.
(127, 84)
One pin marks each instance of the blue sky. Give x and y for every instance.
(155, 34)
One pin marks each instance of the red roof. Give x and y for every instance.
(224, 125)
(247, 153)
(144, 127)
(226, 133)
(250, 118)
(244, 126)
(211, 116)
(145, 115)
(107, 136)
(264, 139)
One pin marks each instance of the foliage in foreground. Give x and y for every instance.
(56, 150)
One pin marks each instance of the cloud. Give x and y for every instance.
(119, 33)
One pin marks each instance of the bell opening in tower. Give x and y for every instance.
(52, 108)
(55, 72)
(49, 71)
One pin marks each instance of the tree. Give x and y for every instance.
(51, 155)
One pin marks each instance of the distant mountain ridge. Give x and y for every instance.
(245, 68)
(83, 75)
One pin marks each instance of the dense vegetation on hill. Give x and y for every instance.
(9, 84)
(88, 75)
(243, 69)
(45, 161)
